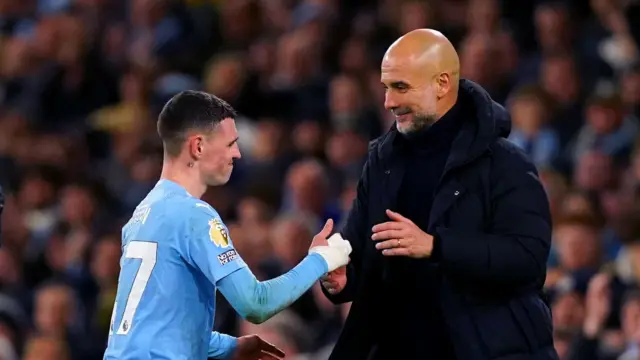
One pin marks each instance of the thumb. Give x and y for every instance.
(326, 230)
(397, 217)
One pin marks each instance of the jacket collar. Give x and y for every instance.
(491, 121)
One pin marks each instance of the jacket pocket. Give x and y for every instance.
(535, 317)
(499, 329)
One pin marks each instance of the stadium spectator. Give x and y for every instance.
(530, 112)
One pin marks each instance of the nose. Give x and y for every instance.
(390, 102)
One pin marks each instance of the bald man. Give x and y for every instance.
(450, 228)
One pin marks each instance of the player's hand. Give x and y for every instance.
(252, 347)
(401, 237)
(335, 281)
(321, 238)
(334, 250)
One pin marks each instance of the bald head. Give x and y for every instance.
(426, 48)
(420, 71)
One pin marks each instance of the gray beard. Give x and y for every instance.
(419, 122)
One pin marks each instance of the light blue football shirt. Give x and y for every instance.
(175, 248)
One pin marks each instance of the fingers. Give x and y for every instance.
(332, 291)
(389, 225)
(328, 277)
(326, 230)
(330, 286)
(265, 356)
(271, 349)
(327, 281)
(332, 276)
(397, 217)
(388, 234)
(396, 252)
(390, 244)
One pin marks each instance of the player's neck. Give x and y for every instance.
(185, 176)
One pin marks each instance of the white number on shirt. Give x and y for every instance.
(147, 252)
(113, 318)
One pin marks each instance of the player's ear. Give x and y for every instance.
(195, 146)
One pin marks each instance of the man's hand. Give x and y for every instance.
(252, 347)
(401, 237)
(335, 250)
(335, 281)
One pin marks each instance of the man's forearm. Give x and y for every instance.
(258, 301)
(221, 346)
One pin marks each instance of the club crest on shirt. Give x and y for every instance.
(218, 233)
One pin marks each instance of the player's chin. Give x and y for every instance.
(226, 176)
(219, 179)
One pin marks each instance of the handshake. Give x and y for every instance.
(335, 250)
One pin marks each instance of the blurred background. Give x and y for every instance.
(82, 81)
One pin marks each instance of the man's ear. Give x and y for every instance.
(196, 144)
(443, 84)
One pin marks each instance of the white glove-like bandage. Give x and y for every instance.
(336, 254)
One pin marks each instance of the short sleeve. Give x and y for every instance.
(209, 247)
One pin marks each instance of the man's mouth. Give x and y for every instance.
(401, 111)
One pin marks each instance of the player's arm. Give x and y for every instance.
(257, 301)
(211, 250)
(221, 346)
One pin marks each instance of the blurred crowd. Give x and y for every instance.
(82, 81)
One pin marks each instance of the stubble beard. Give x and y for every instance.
(418, 122)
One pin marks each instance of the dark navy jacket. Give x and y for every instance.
(490, 217)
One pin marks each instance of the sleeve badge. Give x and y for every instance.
(218, 233)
